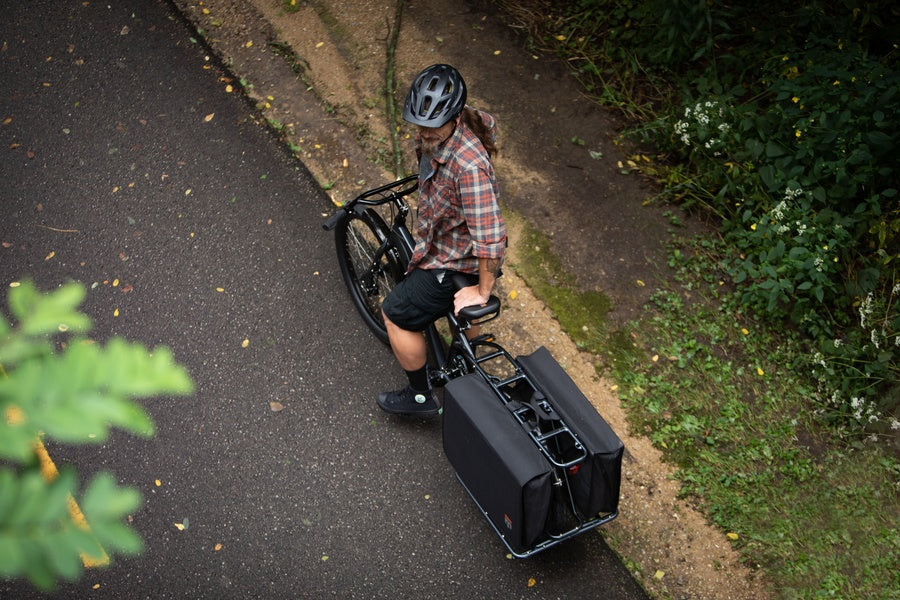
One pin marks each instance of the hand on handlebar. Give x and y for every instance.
(468, 296)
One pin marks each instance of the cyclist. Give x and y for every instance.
(459, 227)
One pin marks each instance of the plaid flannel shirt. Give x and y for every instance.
(459, 219)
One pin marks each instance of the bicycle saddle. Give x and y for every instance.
(476, 312)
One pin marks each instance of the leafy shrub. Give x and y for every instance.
(803, 177)
(74, 396)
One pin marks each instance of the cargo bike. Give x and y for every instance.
(527, 446)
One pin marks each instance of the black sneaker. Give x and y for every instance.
(409, 402)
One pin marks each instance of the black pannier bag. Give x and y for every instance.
(497, 461)
(596, 481)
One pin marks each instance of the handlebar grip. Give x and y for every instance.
(333, 220)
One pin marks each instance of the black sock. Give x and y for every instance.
(418, 379)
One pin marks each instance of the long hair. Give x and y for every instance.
(473, 120)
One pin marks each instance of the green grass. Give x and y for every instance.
(728, 399)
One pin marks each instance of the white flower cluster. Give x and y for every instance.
(866, 309)
(702, 114)
(877, 324)
(777, 214)
(863, 410)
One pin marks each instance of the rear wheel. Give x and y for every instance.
(370, 265)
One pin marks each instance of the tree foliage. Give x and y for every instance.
(57, 384)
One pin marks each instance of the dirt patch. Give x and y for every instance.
(559, 168)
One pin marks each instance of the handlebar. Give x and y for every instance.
(364, 197)
(385, 193)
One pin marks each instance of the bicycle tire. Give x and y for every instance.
(369, 276)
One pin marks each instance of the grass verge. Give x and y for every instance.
(727, 399)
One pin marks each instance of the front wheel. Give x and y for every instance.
(370, 265)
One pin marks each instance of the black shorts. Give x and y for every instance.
(423, 297)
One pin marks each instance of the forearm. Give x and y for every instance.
(488, 269)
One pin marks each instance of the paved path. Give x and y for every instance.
(126, 159)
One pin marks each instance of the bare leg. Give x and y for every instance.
(408, 346)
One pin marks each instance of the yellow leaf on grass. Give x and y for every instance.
(760, 372)
(655, 358)
(732, 536)
(745, 331)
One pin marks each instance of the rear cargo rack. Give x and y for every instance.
(557, 442)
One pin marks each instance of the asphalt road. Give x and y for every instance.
(123, 157)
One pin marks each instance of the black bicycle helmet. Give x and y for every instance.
(437, 95)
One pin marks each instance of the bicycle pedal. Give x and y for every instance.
(483, 338)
